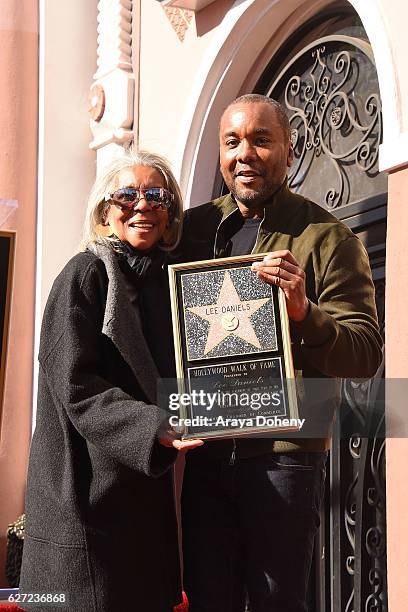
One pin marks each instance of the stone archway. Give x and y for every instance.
(237, 51)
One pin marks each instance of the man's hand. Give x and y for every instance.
(169, 437)
(280, 268)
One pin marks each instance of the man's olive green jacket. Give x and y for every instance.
(340, 336)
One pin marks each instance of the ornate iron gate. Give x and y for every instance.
(330, 91)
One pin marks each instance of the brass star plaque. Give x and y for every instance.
(232, 327)
(231, 337)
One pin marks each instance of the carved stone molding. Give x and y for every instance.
(96, 102)
(180, 20)
(112, 93)
(114, 36)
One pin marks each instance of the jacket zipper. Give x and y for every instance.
(257, 233)
(234, 444)
(216, 233)
(232, 457)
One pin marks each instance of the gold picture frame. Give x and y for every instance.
(231, 338)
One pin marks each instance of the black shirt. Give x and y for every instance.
(243, 241)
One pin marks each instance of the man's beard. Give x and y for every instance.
(249, 197)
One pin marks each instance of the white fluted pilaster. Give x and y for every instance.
(111, 99)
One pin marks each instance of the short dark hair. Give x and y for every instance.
(259, 99)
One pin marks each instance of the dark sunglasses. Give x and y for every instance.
(127, 198)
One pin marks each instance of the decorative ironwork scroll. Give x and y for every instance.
(359, 461)
(330, 92)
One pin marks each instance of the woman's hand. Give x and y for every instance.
(184, 445)
(168, 436)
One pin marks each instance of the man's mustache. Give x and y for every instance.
(242, 172)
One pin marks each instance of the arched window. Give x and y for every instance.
(326, 78)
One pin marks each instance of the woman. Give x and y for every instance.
(101, 532)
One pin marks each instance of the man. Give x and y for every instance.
(251, 506)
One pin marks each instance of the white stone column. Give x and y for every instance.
(112, 95)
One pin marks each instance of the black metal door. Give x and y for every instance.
(330, 90)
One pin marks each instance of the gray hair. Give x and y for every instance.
(259, 99)
(97, 208)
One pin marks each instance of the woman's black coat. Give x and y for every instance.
(101, 524)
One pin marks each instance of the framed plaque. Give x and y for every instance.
(233, 353)
(6, 268)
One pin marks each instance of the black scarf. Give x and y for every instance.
(138, 264)
(146, 273)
